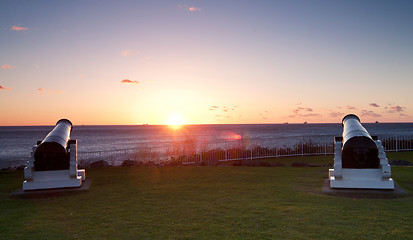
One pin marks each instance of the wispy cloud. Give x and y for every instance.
(394, 109)
(4, 88)
(336, 114)
(18, 28)
(6, 66)
(223, 112)
(128, 81)
(374, 105)
(194, 9)
(190, 8)
(351, 107)
(299, 109)
(224, 109)
(305, 115)
(304, 112)
(130, 53)
(43, 91)
(367, 113)
(264, 115)
(302, 109)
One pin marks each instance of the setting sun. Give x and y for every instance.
(175, 121)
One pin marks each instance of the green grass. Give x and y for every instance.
(326, 159)
(205, 203)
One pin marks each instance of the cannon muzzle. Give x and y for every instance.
(52, 153)
(359, 149)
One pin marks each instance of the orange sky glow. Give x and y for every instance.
(177, 63)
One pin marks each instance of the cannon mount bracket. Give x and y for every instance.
(68, 178)
(364, 178)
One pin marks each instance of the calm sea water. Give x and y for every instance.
(17, 142)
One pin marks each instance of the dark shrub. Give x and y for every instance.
(300, 164)
(250, 163)
(100, 163)
(277, 164)
(130, 163)
(399, 162)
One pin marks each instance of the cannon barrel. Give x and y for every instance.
(51, 153)
(359, 149)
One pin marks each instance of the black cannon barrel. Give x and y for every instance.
(51, 153)
(359, 149)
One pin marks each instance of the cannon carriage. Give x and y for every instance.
(53, 161)
(359, 159)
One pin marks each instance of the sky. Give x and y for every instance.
(205, 62)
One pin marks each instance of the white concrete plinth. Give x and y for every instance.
(52, 179)
(360, 178)
(81, 173)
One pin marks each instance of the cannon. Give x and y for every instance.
(52, 153)
(359, 159)
(359, 149)
(53, 161)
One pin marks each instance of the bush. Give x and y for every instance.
(100, 163)
(300, 164)
(130, 163)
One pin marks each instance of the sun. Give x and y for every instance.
(175, 121)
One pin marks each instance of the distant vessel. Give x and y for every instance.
(286, 123)
(376, 122)
(145, 124)
(305, 122)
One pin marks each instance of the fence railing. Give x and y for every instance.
(196, 152)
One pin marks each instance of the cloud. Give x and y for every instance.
(130, 53)
(36, 66)
(369, 113)
(351, 107)
(223, 108)
(336, 114)
(194, 9)
(297, 110)
(305, 115)
(374, 105)
(129, 81)
(190, 8)
(6, 66)
(17, 28)
(4, 88)
(395, 108)
(42, 91)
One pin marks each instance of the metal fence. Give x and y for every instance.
(193, 152)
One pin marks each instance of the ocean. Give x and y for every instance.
(16, 142)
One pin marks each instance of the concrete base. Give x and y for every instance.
(363, 193)
(20, 193)
(360, 178)
(53, 179)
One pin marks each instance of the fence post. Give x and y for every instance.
(397, 144)
(251, 152)
(150, 154)
(302, 149)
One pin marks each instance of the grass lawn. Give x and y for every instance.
(206, 203)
